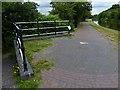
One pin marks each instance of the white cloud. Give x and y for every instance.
(42, 2)
(101, 5)
(44, 6)
(44, 10)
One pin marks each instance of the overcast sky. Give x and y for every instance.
(98, 5)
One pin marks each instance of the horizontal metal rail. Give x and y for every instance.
(59, 35)
(39, 22)
(45, 28)
(41, 32)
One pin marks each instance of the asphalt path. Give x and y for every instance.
(89, 54)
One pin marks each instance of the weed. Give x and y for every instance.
(53, 59)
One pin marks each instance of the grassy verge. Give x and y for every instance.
(110, 34)
(31, 47)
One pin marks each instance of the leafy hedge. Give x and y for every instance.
(14, 12)
(110, 18)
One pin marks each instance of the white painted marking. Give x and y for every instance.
(83, 42)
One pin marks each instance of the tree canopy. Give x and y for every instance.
(14, 12)
(110, 18)
(95, 17)
(73, 11)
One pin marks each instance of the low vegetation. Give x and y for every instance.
(110, 34)
(110, 18)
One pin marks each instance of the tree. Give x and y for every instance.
(82, 11)
(95, 17)
(115, 6)
(110, 18)
(73, 11)
(14, 12)
(63, 9)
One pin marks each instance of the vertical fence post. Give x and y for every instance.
(38, 28)
(55, 26)
(23, 51)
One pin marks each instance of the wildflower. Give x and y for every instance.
(14, 72)
(18, 67)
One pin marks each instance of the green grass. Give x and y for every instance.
(30, 83)
(38, 44)
(36, 80)
(31, 47)
(53, 59)
(111, 34)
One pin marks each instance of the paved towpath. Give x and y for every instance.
(8, 79)
(85, 61)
